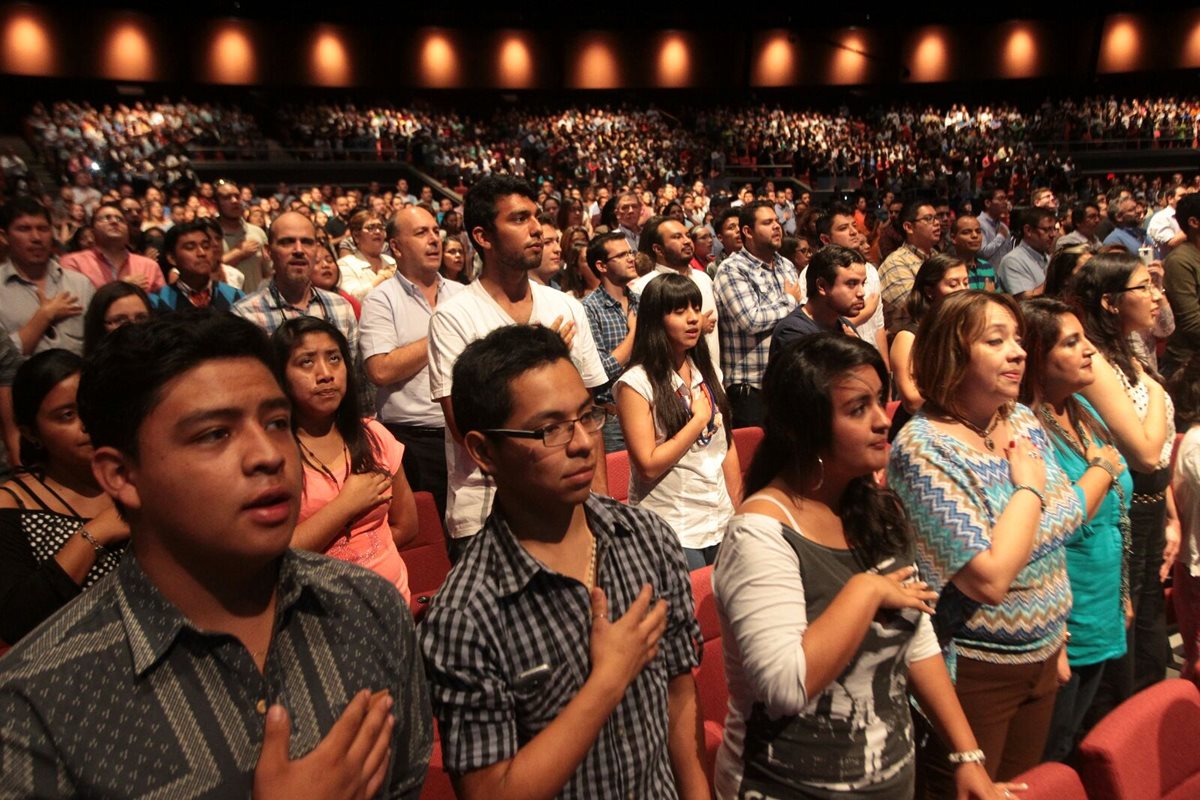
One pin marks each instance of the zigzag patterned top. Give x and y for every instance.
(954, 494)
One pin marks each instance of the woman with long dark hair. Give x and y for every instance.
(357, 505)
(825, 620)
(1116, 299)
(675, 419)
(59, 533)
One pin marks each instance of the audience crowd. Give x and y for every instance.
(967, 378)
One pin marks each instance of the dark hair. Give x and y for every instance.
(824, 223)
(652, 350)
(719, 221)
(93, 321)
(123, 378)
(825, 264)
(479, 209)
(1062, 268)
(747, 213)
(1079, 210)
(360, 442)
(172, 237)
(788, 246)
(1043, 327)
(22, 206)
(1184, 387)
(932, 270)
(597, 249)
(1030, 215)
(1187, 207)
(113, 204)
(35, 379)
(798, 426)
(483, 374)
(649, 235)
(1103, 277)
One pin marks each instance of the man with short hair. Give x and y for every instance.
(891, 233)
(997, 241)
(1164, 229)
(41, 304)
(553, 672)
(244, 243)
(394, 340)
(1043, 197)
(501, 218)
(131, 207)
(837, 227)
(1181, 280)
(728, 229)
(666, 240)
(1023, 271)
(1127, 231)
(225, 664)
(898, 271)
(188, 249)
(945, 219)
(754, 289)
(109, 259)
(1112, 200)
(966, 241)
(1085, 217)
(629, 216)
(785, 209)
(289, 292)
(548, 271)
(836, 279)
(612, 314)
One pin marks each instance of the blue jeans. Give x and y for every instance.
(614, 439)
(698, 559)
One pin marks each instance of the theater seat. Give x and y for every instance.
(746, 441)
(1148, 748)
(1051, 781)
(425, 556)
(437, 781)
(618, 475)
(710, 675)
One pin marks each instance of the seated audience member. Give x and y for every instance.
(327, 275)
(824, 619)
(278, 673)
(367, 266)
(188, 249)
(675, 420)
(1059, 366)
(109, 259)
(356, 504)
(41, 304)
(59, 533)
(992, 512)
(115, 305)
(612, 315)
(1128, 231)
(836, 290)
(1115, 298)
(551, 670)
(1185, 389)
(939, 277)
(1022, 271)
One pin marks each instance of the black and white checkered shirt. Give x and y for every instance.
(502, 614)
(119, 695)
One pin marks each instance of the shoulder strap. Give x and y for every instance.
(25, 487)
(16, 497)
(786, 512)
(70, 509)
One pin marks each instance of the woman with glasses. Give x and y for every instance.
(114, 305)
(367, 266)
(675, 419)
(1117, 298)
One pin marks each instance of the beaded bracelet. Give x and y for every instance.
(1029, 488)
(87, 537)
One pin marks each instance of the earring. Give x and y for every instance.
(820, 474)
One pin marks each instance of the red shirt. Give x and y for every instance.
(97, 268)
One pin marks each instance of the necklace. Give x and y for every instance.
(1076, 443)
(589, 578)
(982, 433)
(316, 463)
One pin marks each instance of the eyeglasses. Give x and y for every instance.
(374, 227)
(1145, 288)
(926, 218)
(626, 254)
(557, 434)
(1050, 229)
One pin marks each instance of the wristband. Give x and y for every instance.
(1029, 488)
(967, 757)
(1106, 465)
(87, 537)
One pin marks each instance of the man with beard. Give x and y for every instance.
(501, 219)
(612, 313)
(836, 279)
(666, 241)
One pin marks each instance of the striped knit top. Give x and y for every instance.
(954, 494)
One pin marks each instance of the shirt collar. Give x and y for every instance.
(411, 288)
(8, 272)
(512, 567)
(152, 623)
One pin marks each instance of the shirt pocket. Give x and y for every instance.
(540, 690)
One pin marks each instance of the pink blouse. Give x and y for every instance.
(370, 543)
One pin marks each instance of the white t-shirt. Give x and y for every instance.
(707, 303)
(691, 496)
(358, 279)
(1186, 483)
(470, 315)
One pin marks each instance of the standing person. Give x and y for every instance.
(187, 248)
(674, 416)
(244, 244)
(837, 227)
(356, 503)
(553, 673)
(454, 262)
(1185, 484)
(395, 348)
(754, 289)
(1181, 282)
(1059, 366)
(366, 266)
(1085, 217)
(922, 232)
(997, 241)
(628, 209)
(824, 622)
(1116, 297)
(836, 283)
(1023, 269)
(209, 626)
(109, 258)
(612, 315)
(992, 512)
(966, 241)
(666, 241)
(501, 216)
(59, 533)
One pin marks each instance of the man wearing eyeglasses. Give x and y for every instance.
(1023, 270)
(898, 272)
(245, 244)
(612, 314)
(559, 651)
(110, 260)
(501, 219)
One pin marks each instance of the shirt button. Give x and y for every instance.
(261, 706)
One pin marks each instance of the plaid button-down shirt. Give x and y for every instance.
(750, 302)
(610, 326)
(506, 647)
(897, 274)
